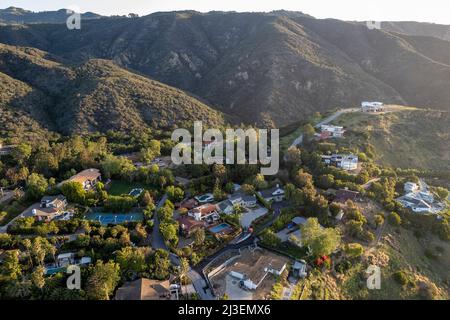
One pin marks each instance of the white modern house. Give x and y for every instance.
(419, 199)
(372, 106)
(253, 278)
(205, 212)
(344, 161)
(332, 131)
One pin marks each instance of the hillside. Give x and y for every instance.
(262, 67)
(94, 96)
(406, 138)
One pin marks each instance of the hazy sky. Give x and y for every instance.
(379, 10)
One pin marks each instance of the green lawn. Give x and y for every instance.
(119, 187)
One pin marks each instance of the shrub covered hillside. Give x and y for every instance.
(95, 96)
(406, 138)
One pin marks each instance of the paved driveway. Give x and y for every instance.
(284, 234)
(28, 212)
(248, 217)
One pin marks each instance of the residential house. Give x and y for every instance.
(50, 207)
(249, 200)
(237, 199)
(415, 203)
(144, 289)
(205, 212)
(347, 162)
(275, 194)
(251, 276)
(189, 225)
(226, 207)
(88, 178)
(411, 187)
(372, 106)
(69, 258)
(236, 187)
(330, 131)
(6, 150)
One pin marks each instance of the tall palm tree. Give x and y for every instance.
(183, 270)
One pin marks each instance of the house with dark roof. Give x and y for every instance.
(144, 289)
(225, 207)
(275, 194)
(188, 225)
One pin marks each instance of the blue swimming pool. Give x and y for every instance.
(52, 271)
(220, 228)
(115, 218)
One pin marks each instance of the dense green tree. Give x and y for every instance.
(175, 194)
(321, 241)
(303, 179)
(169, 231)
(149, 153)
(74, 192)
(394, 219)
(36, 186)
(37, 277)
(353, 250)
(131, 260)
(325, 181)
(268, 237)
(21, 153)
(160, 264)
(308, 132)
(199, 236)
(102, 280)
(442, 193)
(11, 267)
(294, 156)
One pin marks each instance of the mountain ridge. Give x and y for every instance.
(95, 96)
(267, 69)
